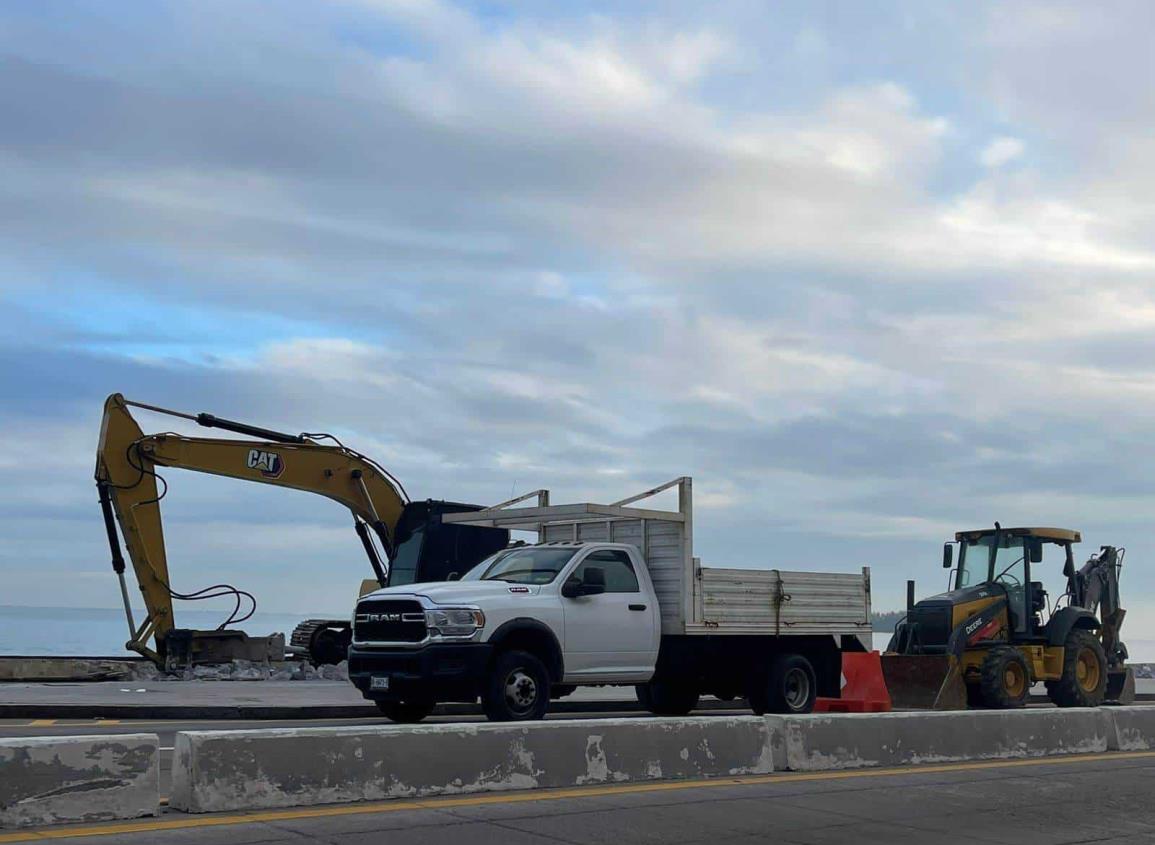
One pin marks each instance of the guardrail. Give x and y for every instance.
(52, 780)
(49, 780)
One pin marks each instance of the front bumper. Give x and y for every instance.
(437, 672)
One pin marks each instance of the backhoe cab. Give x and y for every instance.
(996, 632)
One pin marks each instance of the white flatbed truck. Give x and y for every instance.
(610, 595)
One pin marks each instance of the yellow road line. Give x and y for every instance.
(394, 806)
(250, 724)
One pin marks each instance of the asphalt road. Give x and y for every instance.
(1100, 799)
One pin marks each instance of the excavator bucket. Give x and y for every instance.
(1120, 686)
(924, 682)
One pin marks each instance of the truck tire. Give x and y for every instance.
(517, 688)
(406, 712)
(1084, 679)
(1004, 678)
(789, 687)
(663, 698)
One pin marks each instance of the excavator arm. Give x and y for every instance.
(127, 480)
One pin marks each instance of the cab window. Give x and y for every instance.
(1010, 570)
(620, 575)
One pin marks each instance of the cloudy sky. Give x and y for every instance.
(869, 272)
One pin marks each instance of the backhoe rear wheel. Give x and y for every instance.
(1084, 679)
(1005, 678)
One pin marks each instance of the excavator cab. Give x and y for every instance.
(995, 632)
(428, 549)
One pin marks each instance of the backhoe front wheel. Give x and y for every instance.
(1005, 679)
(1084, 679)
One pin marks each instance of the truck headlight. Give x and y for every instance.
(454, 621)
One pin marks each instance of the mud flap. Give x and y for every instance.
(924, 682)
(1120, 687)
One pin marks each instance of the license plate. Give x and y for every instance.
(379, 682)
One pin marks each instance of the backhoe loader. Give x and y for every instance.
(987, 640)
(414, 544)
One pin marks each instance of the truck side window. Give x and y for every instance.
(620, 577)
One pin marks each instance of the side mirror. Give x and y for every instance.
(593, 581)
(454, 576)
(1036, 549)
(1069, 566)
(947, 555)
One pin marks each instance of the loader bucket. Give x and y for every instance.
(1120, 686)
(924, 682)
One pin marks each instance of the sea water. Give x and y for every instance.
(102, 632)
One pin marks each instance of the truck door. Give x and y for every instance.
(613, 634)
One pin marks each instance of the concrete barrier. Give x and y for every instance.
(50, 780)
(234, 770)
(816, 743)
(1134, 728)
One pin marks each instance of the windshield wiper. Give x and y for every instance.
(552, 572)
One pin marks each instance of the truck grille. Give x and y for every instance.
(389, 621)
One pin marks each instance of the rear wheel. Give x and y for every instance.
(517, 689)
(1084, 679)
(790, 687)
(1005, 679)
(406, 712)
(663, 698)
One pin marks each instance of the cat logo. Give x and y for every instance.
(269, 464)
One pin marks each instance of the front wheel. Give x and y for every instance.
(517, 688)
(790, 687)
(406, 712)
(1005, 679)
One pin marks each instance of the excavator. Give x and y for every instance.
(984, 642)
(405, 541)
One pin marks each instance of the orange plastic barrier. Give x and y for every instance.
(863, 687)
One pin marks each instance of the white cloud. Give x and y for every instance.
(1002, 151)
(593, 252)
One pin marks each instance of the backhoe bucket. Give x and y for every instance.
(1120, 686)
(924, 682)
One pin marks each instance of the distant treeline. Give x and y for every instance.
(885, 622)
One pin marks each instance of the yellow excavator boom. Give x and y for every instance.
(127, 460)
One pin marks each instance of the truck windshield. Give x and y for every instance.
(529, 565)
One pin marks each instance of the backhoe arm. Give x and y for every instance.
(127, 461)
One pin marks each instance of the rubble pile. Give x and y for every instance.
(247, 670)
